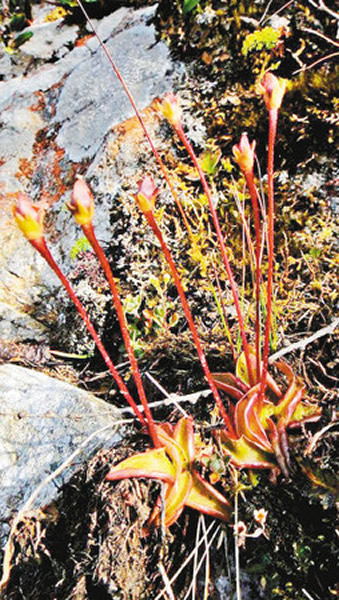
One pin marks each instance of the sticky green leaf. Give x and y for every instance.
(205, 498)
(246, 455)
(152, 464)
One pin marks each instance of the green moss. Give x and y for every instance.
(266, 38)
(81, 245)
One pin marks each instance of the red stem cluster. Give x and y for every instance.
(41, 246)
(223, 249)
(89, 233)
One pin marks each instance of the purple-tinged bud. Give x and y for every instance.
(273, 89)
(147, 194)
(81, 203)
(28, 218)
(244, 154)
(171, 109)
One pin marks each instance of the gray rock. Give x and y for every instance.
(16, 326)
(18, 132)
(50, 40)
(92, 100)
(5, 66)
(43, 421)
(78, 97)
(112, 24)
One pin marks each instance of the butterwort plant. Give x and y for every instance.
(172, 460)
(262, 411)
(81, 206)
(175, 464)
(254, 426)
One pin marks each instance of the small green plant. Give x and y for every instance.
(188, 5)
(263, 49)
(160, 312)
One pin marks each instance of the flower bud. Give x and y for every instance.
(81, 203)
(171, 109)
(273, 89)
(244, 154)
(147, 194)
(28, 218)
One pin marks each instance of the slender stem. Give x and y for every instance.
(254, 198)
(42, 248)
(221, 307)
(140, 119)
(153, 224)
(223, 249)
(89, 233)
(273, 120)
(236, 537)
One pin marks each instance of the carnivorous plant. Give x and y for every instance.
(254, 424)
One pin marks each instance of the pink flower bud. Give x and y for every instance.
(244, 154)
(273, 89)
(171, 109)
(81, 203)
(28, 218)
(147, 194)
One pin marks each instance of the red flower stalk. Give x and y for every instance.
(172, 101)
(29, 219)
(244, 155)
(82, 207)
(273, 90)
(144, 186)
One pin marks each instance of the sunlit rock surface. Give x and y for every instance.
(92, 100)
(56, 114)
(43, 421)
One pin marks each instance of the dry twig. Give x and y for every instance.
(301, 345)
